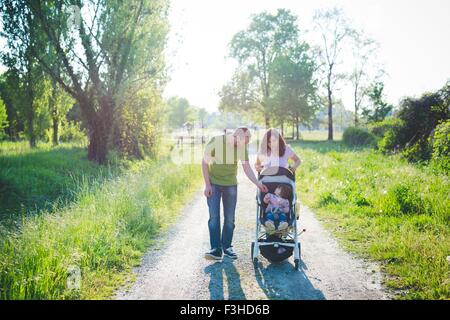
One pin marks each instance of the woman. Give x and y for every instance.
(274, 152)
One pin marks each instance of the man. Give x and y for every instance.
(219, 167)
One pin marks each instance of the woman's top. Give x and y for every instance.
(275, 161)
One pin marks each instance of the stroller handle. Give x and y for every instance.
(277, 171)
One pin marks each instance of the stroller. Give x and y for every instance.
(270, 243)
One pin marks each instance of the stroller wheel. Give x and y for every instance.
(297, 264)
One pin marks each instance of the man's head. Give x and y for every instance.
(242, 136)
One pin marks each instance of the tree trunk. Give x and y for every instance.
(282, 129)
(98, 139)
(55, 117)
(330, 103)
(31, 133)
(100, 132)
(330, 116)
(356, 105)
(296, 128)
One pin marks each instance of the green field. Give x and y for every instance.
(385, 209)
(61, 213)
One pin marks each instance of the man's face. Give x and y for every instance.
(242, 138)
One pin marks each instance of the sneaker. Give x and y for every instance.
(230, 253)
(269, 225)
(283, 225)
(214, 254)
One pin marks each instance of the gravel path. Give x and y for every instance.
(175, 268)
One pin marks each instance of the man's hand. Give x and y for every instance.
(262, 188)
(208, 191)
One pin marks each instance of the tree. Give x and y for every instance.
(379, 109)
(20, 55)
(117, 47)
(294, 90)
(364, 50)
(335, 31)
(255, 49)
(3, 118)
(242, 94)
(179, 111)
(12, 94)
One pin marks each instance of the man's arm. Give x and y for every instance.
(205, 171)
(251, 175)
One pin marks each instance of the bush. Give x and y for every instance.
(403, 199)
(441, 146)
(418, 152)
(72, 132)
(380, 128)
(354, 137)
(420, 117)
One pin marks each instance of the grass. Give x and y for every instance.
(86, 248)
(385, 209)
(38, 179)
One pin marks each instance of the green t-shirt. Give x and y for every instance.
(225, 156)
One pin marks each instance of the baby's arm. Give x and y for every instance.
(284, 204)
(267, 198)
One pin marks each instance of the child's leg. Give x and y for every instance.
(283, 221)
(270, 226)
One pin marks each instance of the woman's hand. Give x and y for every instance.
(208, 191)
(262, 187)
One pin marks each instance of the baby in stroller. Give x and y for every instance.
(277, 208)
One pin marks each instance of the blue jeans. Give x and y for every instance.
(229, 197)
(272, 215)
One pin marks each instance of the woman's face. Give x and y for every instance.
(273, 142)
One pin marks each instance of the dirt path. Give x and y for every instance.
(176, 269)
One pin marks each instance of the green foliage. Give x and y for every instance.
(12, 93)
(380, 128)
(293, 87)
(3, 119)
(255, 49)
(441, 147)
(420, 118)
(35, 179)
(403, 199)
(139, 125)
(380, 108)
(178, 111)
(355, 137)
(71, 131)
(103, 232)
(123, 47)
(420, 151)
(382, 208)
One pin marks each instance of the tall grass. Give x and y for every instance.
(383, 208)
(38, 179)
(86, 249)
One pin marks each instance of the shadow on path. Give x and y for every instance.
(282, 281)
(220, 270)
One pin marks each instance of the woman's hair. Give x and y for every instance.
(265, 147)
(285, 191)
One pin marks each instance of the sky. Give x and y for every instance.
(414, 39)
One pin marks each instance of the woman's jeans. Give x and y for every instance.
(229, 197)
